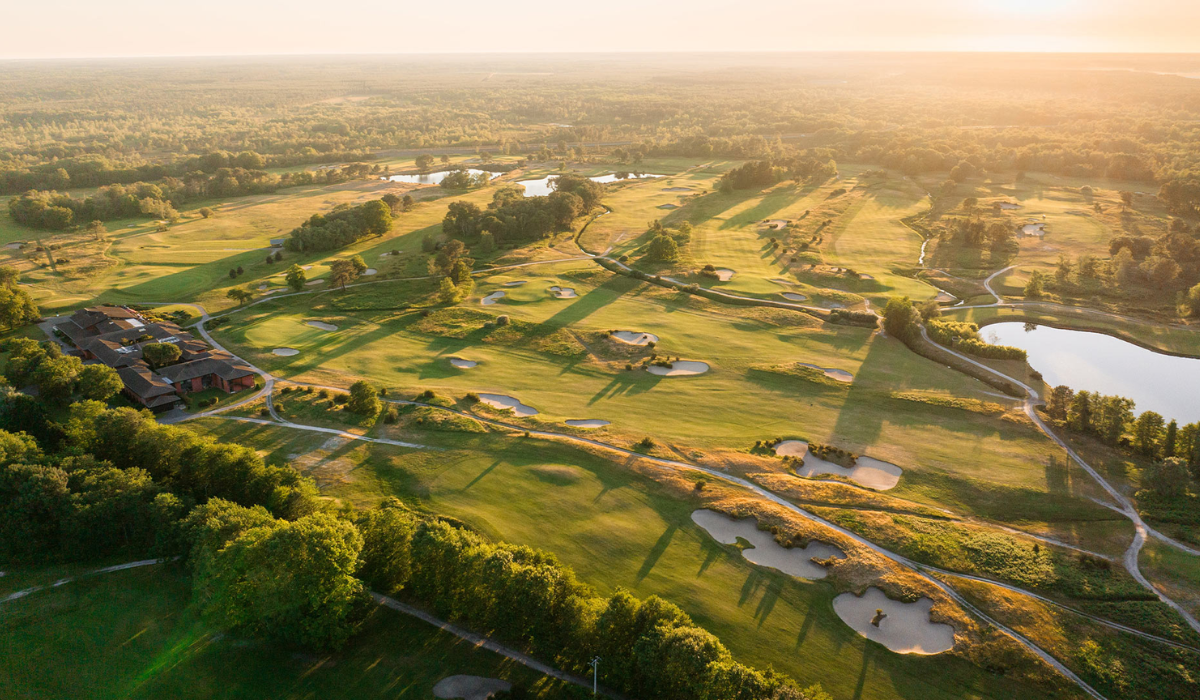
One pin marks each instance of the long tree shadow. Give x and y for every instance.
(770, 596)
(656, 552)
(627, 382)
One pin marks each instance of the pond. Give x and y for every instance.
(1084, 360)
(543, 188)
(434, 178)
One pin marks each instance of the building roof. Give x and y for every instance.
(224, 367)
(146, 384)
(86, 318)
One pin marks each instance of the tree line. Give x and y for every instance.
(511, 217)
(345, 224)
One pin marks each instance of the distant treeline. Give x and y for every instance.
(344, 225)
(96, 170)
(56, 211)
(763, 173)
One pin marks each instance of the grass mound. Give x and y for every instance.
(471, 324)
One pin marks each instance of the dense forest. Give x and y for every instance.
(1066, 115)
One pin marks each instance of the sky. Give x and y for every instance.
(85, 28)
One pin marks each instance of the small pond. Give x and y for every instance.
(1083, 360)
(542, 187)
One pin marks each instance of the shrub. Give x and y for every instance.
(502, 320)
(471, 397)
(341, 398)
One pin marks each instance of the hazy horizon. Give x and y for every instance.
(139, 28)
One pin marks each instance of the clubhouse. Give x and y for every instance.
(115, 336)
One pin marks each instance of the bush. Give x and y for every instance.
(502, 320)
(965, 338)
(341, 399)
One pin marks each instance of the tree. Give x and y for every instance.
(292, 581)
(344, 271)
(295, 277)
(407, 202)
(1192, 301)
(1062, 271)
(487, 243)
(1058, 402)
(1080, 416)
(1168, 478)
(447, 258)
(377, 217)
(1113, 414)
(99, 382)
(364, 399)
(1147, 432)
(17, 308)
(55, 377)
(424, 162)
(1170, 439)
(241, 296)
(206, 212)
(385, 560)
(448, 292)
(900, 318)
(1126, 199)
(662, 248)
(160, 354)
(97, 229)
(1033, 288)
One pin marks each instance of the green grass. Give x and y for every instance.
(617, 530)
(133, 634)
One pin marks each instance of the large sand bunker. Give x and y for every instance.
(587, 423)
(724, 274)
(502, 402)
(793, 296)
(1033, 230)
(679, 368)
(515, 283)
(322, 325)
(286, 352)
(370, 271)
(872, 473)
(634, 338)
(904, 628)
(794, 561)
(563, 292)
(839, 374)
(469, 687)
(776, 224)
(461, 363)
(492, 298)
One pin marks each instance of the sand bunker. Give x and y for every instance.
(515, 283)
(780, 280)
(724, 274)
(634, 338)
(865, 276)
(461, 363)
(500, 401)
(872, 473)
(776, 223)
(668, 206)
(312, 283)
(793, 296)
(563, 292)
(1008, 205)
(470, 687)
(322, 325)
(904, 628)
(370, 271)
(1033, 230)
(680, 368)
(677, 189)
(16, 245)
(945, 297)
(839, 374)
(766, 551)
(492, 298)
(587, 423)
(286, 352)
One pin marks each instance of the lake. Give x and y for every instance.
(434, 178)
(1083, 360)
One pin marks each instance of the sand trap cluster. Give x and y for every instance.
(839, 374)
(461, 363)
(502, 402)
(793, 296)
(286, 352)
(515, 283)
(872, 473)
(469, 687)
(679, 368)
(563, 292)
(635, 338)
(905, 628)
(587, 423)
(766, 551)
(492, 298)
(322, 325)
